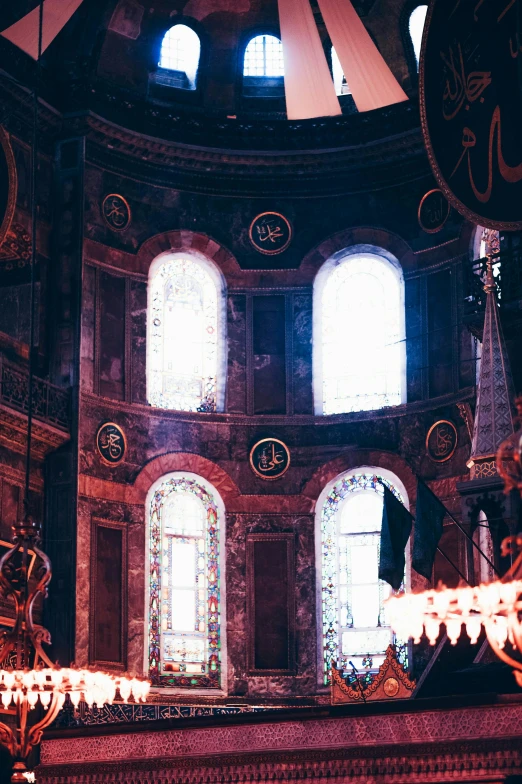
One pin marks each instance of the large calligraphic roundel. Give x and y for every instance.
(8, 184)
(471, 108)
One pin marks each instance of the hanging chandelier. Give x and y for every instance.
(31, 685)
(29, 680)
(496, 606)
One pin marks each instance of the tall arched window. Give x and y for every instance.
(186, 587)
(264, 57)
(416, 28)
(353, 628)
(339, 79)
(359, 349)
(180, 50)
(185, 334)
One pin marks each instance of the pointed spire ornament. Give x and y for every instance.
(494, 421)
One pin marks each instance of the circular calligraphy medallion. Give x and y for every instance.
(269, 458)
(111, 443)
(433, 212)
(116, 212)
(471, 108)
(270, 233)
(441, 441)
(8, 184)
(391, 687)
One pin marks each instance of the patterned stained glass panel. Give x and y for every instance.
(354, 625)
(184, 606)
(362, 323)
(182, 336)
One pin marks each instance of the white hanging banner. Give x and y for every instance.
(372, 84)
(24, 33)
(309, 88)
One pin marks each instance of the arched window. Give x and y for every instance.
(185, 334)
(339, 79)
(416, 28)
(359, 349)
(348, 523)
(264, 57)
(185, 583)
(180, 50)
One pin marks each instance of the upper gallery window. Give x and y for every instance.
(264, 57)
(180, 50)
(184, 334)
(359, 348)
(416, 27)
(339, 79)
(185, 516)
(353, 622)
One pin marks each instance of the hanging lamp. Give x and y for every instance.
(29, 681)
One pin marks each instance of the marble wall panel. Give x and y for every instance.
(302, 353)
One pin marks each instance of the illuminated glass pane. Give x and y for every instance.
(417, 20)
(264, 57)
(180, 51)
(354, 623)
(361, 512)
(362, 296)
(339, 79)
(184, 606)
(364, 563)
(183, 610)
(183, 564)
(182, 336)
(183, 514)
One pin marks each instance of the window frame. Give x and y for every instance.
(270, 89)
(320, 281)
(398, 485)
(219, 504)
(159, 75)
(221, 320)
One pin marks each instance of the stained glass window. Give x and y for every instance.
(264, 57)
(416, 27)
(354, 626)
(360, 347)
(180, 50)
(184, 573)
(182, 357)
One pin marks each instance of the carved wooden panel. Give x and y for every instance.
(271, 603)
(108, 633)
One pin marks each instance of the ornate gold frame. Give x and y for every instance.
(271, 252)
(441, 226)
(107, 462)
(5, 143)
(448, 193)
(108, 196)
(258, 473)
(430, 431)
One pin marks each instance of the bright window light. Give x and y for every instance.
(180, 51)
(264, 57)
(340, 83)
(417, 20)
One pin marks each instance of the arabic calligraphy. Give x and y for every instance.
(460, 88)
(508, 173)
(270, 233)
(269, 458)
(116, 211)
(471, 107)
(433, 211)
(441, 441)
(110, 442)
